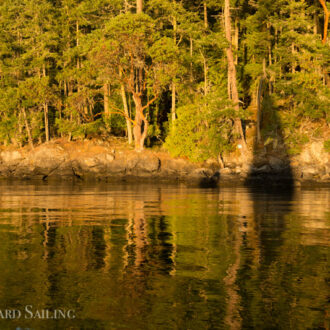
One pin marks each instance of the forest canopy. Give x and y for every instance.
(189, 75)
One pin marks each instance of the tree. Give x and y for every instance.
(232, 81)
(124, 54)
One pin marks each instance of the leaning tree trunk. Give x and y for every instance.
(128, 123)
(232, 82)
(27, 127)
(140, 129)
(326, 21)
(140, 124)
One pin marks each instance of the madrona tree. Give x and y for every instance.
(127, 51)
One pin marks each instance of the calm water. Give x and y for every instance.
(164, 257)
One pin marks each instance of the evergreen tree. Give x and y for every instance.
(188, 72)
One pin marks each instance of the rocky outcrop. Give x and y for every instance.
(312, 165)
(88, 162)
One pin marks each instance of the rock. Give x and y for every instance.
(46, 159)
(212, 164)
(109, 157)
(25, 168)
(238, 170)
(89, 166)
(309, 170)
(11, 158)
(202, 173)
(263, 169)
(78, 168)
(4, 170)
(130, 161)
(89, 162)
(297, 183)
(276, 164)
(247, 168)
(259, 162)
(148, 164)
(116, 167)
(314, 153)
(204, 177)
(325, 177)
(327, 168)
(231, 165)
(96, 165)
(135, 164)
(65, 170)
(225, 171)
(68, 161)
(296, 173)
(179, 166)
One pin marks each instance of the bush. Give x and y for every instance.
(200, 132)
(78, 131)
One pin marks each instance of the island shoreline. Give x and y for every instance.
(93, 161)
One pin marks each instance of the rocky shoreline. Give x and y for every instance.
(88, 161)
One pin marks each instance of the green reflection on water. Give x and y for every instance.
(168, 257)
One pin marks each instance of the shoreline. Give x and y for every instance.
(103, 162)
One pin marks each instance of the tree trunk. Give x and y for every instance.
(106, 99)
(205, 74)
(206, 23)
(259, 96)
(293, 68)
(326, 21)
(28, 129)
(140, 125)
(173, 109)
(236, 39)
(128, 123)
(139, 6)
(46, 109)
(191, 64)
(232, 83)
(46, 121)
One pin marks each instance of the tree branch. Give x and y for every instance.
(151, 101)
(326, 21)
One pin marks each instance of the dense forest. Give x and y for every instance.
(190, 75)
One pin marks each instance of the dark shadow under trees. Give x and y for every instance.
(270, 166)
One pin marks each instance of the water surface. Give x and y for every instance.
(164, 257)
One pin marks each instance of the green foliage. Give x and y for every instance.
(201, 131)
(78, 131)
(327, 145)
(56, 60)
(8, 129)
(295, 142)
(115, 123)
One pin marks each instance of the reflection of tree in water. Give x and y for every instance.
(280, 279)
(148, 241)
(140, 234)
(237, 262)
